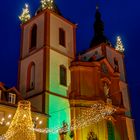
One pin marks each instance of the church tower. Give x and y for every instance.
(88, 92)
(47, 48)
(98, 77)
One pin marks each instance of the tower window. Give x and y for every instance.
(63, 75)
(33, 36)
(31, 76)
(12, 98)
(116, 66)
(61, 37)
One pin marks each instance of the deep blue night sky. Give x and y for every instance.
(121, 17)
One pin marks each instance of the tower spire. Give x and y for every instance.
(98, 29)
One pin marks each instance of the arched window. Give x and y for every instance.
(63, 75)
(61, 37)
(31, 76)
(116, 65)
(33, 36)
(110, 128)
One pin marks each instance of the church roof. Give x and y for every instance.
(5, 98)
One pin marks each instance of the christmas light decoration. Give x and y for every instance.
(9, 116)
(119, 46)
(21, 126)
(25, 16)
(88, 116)
(47, 4)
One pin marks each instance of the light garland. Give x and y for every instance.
(6, 120)
(119, 46)
(91, 115)
(25, 16)
(47, 4)
(21, 126)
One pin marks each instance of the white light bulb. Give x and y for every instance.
(9, 116)
(40, 122)
(2, 119)
(8, 123)
(26, 5)
(37, 118)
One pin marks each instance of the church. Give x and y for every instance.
(74, 90)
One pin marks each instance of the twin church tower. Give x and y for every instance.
(60, 84)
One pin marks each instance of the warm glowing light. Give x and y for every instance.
(9, 116)
(21, 126)
(8, 123)
(37, 118)
(119, 46)
(25, 15)
(2, 119)
(40, 122)
(89, 116)
(47, 4)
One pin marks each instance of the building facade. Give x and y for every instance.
(9, 97)
(60, 84)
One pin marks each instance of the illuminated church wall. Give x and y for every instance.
(56, 60)
(37, 102)
(125, 96)
(56, 104)
(55, 24)
(59, 111)
(85, 80)
(111, 54)
(37, 58)
(26, 35)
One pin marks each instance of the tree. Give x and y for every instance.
(47, 4)
(21, 127)
(25, 15)
(119, 46)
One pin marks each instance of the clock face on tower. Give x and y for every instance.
(104, 68)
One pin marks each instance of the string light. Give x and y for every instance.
(2, 119)
(40, 122)
(119, 46)
(21, 126)
(9, 116)
(37, 118)
(47, 4)
(88, 116)
(25, 15)
(8, 123)
(7, 119)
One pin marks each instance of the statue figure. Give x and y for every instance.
(106, 90)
